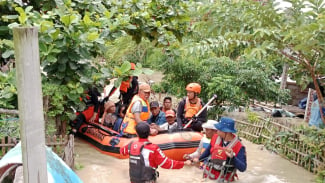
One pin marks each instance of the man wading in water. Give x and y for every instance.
(225, 154)
(145, 157)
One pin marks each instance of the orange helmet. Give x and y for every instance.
(132, 66)
(194, 87)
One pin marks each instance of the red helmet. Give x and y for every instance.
(132, 66)
(194, 87)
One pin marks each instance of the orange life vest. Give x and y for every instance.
(219, 159)
(192, 109)
(125, 85)
(128, 125)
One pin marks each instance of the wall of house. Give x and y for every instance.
(296, 93)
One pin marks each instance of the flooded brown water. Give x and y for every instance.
(263, 167)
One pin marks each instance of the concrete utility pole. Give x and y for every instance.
(30, 104)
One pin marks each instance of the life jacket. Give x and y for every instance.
(128, 124)
(86, 99)
(220, 166)
(191, 109)
(125, 85)
(89, 111)
(138, 171)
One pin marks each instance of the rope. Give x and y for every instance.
(9, 119)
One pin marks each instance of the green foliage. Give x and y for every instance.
(157, 88)
(311, 138)
(8, 90)
(179, 72)
(124, 72)
(252, 117)
(72, 34)
(78, 166)
(6, 48)
(9, 126)
(320, 177)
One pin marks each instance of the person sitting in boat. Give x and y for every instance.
(225, 154)
(91, 113)
(157, 116)
(145, 157)
(167, 105)
(109, 117)
(120, 115)
(127, 89)
(137, 111)
(171, 121)
(210, 130)
(190, 106)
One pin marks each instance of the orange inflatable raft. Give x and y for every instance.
(173, 144)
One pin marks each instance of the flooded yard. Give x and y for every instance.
(263, 167)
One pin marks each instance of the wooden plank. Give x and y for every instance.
(30, 104)
(246, 133)
(8, 111)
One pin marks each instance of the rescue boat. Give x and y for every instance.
(173, 144)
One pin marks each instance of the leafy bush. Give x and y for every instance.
(8, 90)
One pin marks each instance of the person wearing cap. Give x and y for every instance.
(145, 157)
(157, 116)
(137, 111)
(210, 130)
(225, 154)
(171, 123)
(190, 106)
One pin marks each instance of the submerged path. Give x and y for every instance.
(263, 167)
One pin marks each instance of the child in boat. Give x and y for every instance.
(145, 157)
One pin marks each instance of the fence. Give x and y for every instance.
(305, 151)
(61, 145)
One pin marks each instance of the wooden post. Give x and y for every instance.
(30, 104)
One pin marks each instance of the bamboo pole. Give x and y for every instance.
(30, 104)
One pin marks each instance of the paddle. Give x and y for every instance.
(202, 109)
(112, 133)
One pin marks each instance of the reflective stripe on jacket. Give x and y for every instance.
(138, 170)
(129, 122)
(217, 142)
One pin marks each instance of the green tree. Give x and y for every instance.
(75, 35)
(220, 65)
(261, 31)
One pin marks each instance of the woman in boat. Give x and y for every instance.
(109, 117)
(145, 157)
